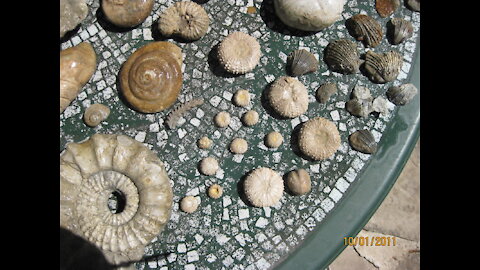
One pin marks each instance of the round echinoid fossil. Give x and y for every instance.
(273, 139)
(215, 191)
(239, 53)
(319, 138)
(151, 78)
(209, 166)
(238, 146)
(95, 114)
(185, 19)
(127, 13)
(241, 98)
(298, 182)
(222, 119)
(288, 97)
(263, 187)
(204, 142)
(189, 204)
(250, 118)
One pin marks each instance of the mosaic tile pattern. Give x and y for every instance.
(227, 233)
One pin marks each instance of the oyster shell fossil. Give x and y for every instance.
(366, 29)
(325, 91)
(77, 65)
(383, 67)
(386, 8)
(302, 62)
(298, 182)
(239, 53)
(342, 56)
(93, 170)
(72, 13)
(401, 95)
(399, 30)
(151, 78)
(318, 138)
(263, 187)
(185, 19)
(127, 13)
(288, 97)
(363, 141)
(95, 114)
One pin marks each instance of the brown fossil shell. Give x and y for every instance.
(288, 97)
(95, 114)
(302, 62)
(403, 94)
(186, 19)
(325, 91)
(366, 29)
(127, 13)
(239, 53)
(77, 65)
(342, 56)
(363, 141)
(383, 67)
(318, 138)
(400, 30)
(386, 8)
(151, 78)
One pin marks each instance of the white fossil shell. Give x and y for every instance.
(273, 139)
(263, 187)
(319, 138)
(204, 142)
(222, 119)
(250, 118)
(288, 97)
(189, 204)
(241, 98)
(208, 166)
(91, 171)
(238, 146)
(186, 19)
(239, 53)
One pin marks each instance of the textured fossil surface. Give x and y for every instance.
(72, 12)
(319, 138)
(186, 19)
(263, 187)
(127, 13)
(95, 114)
(288, 97)
(239, 53)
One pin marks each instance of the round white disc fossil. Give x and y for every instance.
(263, 187)
(250, 118)
(209, 166)
(189, 204)
(273, 139)
(222, 119)
(238, 146)
(319, 138)
(288, 97)
(239, 53)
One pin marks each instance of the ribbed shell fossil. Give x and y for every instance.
(263, 187)
(342, 56)
(77, 65)
(72, 12)
(401, 95)
(241, 98)
(180, 110)
(383, 67)
(366, 29)
(222, 119)
(302, 62)
(273, 139)
(386, 8)
(318, 138)
(363, 141)
(325, 91)
(127, 13)
(239, 53)
(189, 204)
(151, 78)
(238, 146)
(250, 118)
(208, 166)
(91, 171)
(298, 182)
(204, 142)
(215, 191)
(400, 30)
(95, 114)
(185, 19)
(288, 97)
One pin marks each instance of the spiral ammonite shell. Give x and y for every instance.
(91, 171)
(319, 138)
(151, 78)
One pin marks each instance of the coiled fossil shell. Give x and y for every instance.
(104, 164)
(403, 94)
(302, 62)
(95, 114)
(363, 141)
(400, 30)
(77, 65)
(366, 29)
(72, 12)
(186, 19)
(298, 182)
(263, 187)
(325, 91)
(127, 13)
(151, 78)
(288, 97)
(386, 8)
(239, 53)
(342, 56)
(383, 67)
(318, 138)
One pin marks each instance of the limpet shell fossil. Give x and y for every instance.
(222, 119)
(298, 182)
(250, 118)
(363, 141)
(263, 187)
(386, 8)
(127, 13)
(288, 97)
(325, 91)
(209, 166)
(185, 19)
(401, 95)
(204, 142)
(215, 191)
(366, 29)
(302, 62)
(91, 171)
(273, 139)
(238, 146)
(189, 204)
(318, 138)
(239, 53)
(151, 78)
(72, 13)
(241, 98)
(399, 30)
(383, 67)
(77, 65)
(342, 56)
(95, 114)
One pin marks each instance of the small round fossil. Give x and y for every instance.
(238, 146)
(209, 166)
(298, 181)
(288, 97)
(127, 13)
(273, 139)
(186, 19)
(263, 187)
(215, 191)
(204, 142)
(95, 114)
(72, 13)
(319, 138)
(250, 118)
(189, 204)
(241, 98)
(222, 119)
(239, 53)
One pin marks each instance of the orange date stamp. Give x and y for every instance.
(388, 241)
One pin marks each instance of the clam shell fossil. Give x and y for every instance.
(95, 114)
(325, 91)
(318, 138)
(72, 13)
(302, 62)
(403, 94)
(77, 65)
(383, 67)
(151, 78)
(263, 187)
(288, 97)
(342, 56)
(239, 53)
(298, 182)
(366, 29)
(363, 141)
(127, 13)
(399, 30)
(91, 171)
(185, 19)
(386, 8)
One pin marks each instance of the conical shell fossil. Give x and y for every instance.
(325, 91)
(318, 138)
(366, 29)
(383, 67)
(127, 13)
(288, 97)
(399, 30)
(342, 56)
(263, 187)
(363, 141)
(186, 19)
(104, 164)
(403, 94)
(239, 53)
(386, 8)
(151, 78)
(302, 62)
(95, 114)
(77, 65)
(72, 12)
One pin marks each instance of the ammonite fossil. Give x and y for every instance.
(383, 67)
(239, 53)
(77, 65)
(151, 78)
(185, 19)
(288, 97)
(366, 29)
(127, 13)
(318, 138)
(95, 114)
(105, 165)
(342, 56)
(263, 187)
(72, 12)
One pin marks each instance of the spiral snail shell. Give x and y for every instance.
(151, 78)
(95, 114)
(106, 164)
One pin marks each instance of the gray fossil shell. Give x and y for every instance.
(361, 102)
(342, 56)
(400, 30)
(363, 141)
(366, 29)
(302, 62)
(401, 95)
(383, 67)
(325, 91)
(413, 5)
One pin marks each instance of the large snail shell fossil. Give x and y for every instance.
(239, 53)
(186, 19)
(127, 13)
(91, 171)
(366, 29)
(288, 97)
(319, 138)
(342, 56)
(151, 78)
(383, 67)
(72, 12)
(77, 65)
